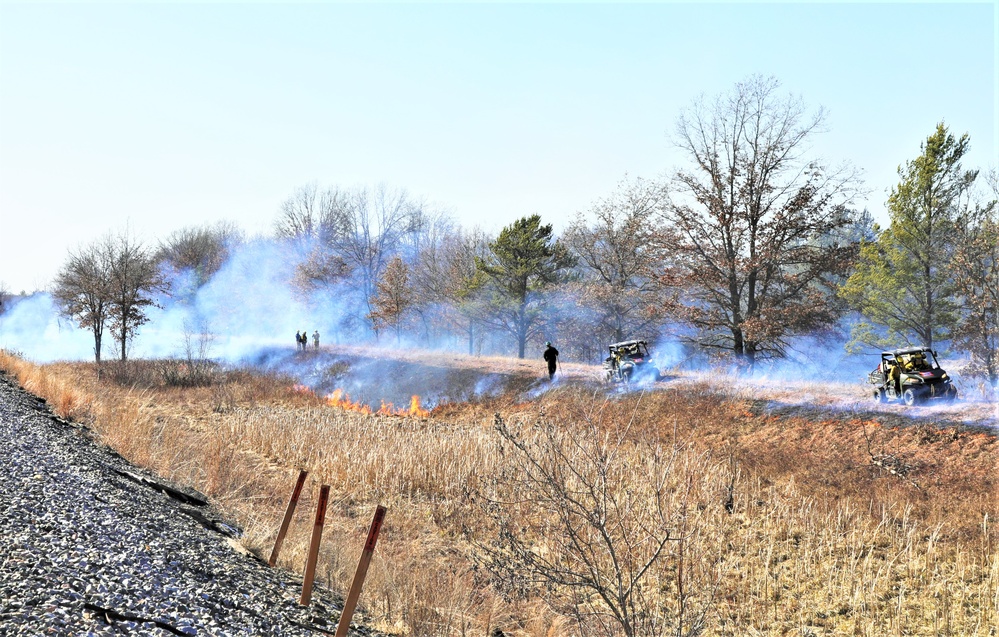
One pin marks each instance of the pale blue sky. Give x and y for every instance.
(164, 116)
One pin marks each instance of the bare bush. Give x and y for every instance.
(609, 532)
(196, 368)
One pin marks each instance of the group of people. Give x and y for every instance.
(302, 340)
(913, 362)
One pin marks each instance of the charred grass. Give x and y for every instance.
(807, 522)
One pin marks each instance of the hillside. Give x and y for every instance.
(805, 509)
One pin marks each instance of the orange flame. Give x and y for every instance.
(341, 400)
(415, 409)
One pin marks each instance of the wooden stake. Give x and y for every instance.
(287, 517)
(317, 536)
(362, 570)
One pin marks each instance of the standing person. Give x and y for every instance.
(298, 340)
(551, 357)
(305, 340)
(315, 339)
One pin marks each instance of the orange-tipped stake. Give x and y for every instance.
(317, 536)
(289, 512)
(362, 570)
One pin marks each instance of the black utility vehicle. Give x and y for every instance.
(911, 375)
(629, 361)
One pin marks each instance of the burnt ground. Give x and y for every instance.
(375, 375)
(374, 379)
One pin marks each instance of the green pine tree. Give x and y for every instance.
(522, 261)
(903, 286)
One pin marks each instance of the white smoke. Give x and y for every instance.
(32, 327)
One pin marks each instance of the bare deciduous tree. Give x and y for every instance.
(82, 290)
(4, 297)
(748, 241)
(110, 283)
(198, 251)
(975, 267)
(196, 368)
(393, 298)
(350, 233)
(311, 219)
(302, 214)
(617, 255)
(373, 226)
(134, 278)
(445, 278)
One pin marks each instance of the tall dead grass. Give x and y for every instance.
(811, 536)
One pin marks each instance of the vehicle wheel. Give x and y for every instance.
(909, 397)
(879, 396)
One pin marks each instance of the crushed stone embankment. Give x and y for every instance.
(89, 547)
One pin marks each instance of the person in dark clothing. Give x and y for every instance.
(551, 357)
(298, 340)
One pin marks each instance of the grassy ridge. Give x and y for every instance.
(835, 525)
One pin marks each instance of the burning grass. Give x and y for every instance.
(341, 400)
(802, 521)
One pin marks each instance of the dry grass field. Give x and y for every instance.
(780, 519)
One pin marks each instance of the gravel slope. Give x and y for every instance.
(86, 548)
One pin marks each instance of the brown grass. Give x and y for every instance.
(839, 526)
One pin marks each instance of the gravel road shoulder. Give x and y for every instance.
(87, 549)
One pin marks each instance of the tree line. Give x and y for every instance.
(747, 246)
